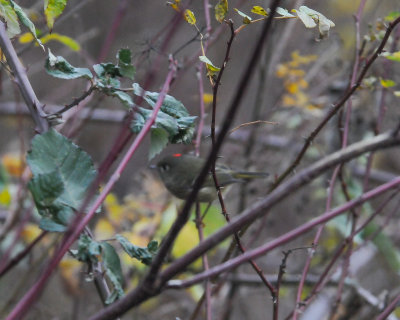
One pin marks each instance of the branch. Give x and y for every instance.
(80, 222)
(32, 102)
(147, 289)
(289, 187)
(338, 105)
(289, 236)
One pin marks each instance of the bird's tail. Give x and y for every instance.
(244, 175)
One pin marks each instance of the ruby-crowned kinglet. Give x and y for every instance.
(179, 172)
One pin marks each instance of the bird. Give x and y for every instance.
(179, 172)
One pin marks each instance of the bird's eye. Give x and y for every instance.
(164, 167)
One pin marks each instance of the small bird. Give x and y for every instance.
(179, 172)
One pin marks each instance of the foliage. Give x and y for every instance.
(62, 174)
(132, 231)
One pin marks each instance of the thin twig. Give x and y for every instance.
(32, 102)
(289, 236)
(337, 106)
(78, 227)
(149, 287)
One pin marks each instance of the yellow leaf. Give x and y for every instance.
(260, 11)
(387, 83)
(65, 40)
(212, 70)
(30, 232)
(292, 87)
(221, 10)
(397, 93)
(288, 101)
(5, 197)
(282, 70)
(298, 73)
(189, 17)
(52, 9)
(208, 98)
(114, 209)
(69, 270)
(303, 83)
(104, 229)
(174, 5)
(13, 164)
(26, 37)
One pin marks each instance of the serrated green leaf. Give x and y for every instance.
(173, 119)
(65, 40)
(62, 174)
(107, 69)
(158, 141)
(144, 255)
(124, 97)
(221, 9)
(246, 18)
(52, 9)
(88, 249)
(153, 246)
(112, 266)
(60, 68)
(126, 68)
(170, 105)
(10, 18)
(25, 20)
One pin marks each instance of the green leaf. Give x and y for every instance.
(211, 69)
(306, 19)
(144, 255)
(52, 9)
(125, 66)
(62, 174)
(60, 68)
(88, 249)
(10, 18)
(112, 265)
(324, 24)
(158, 141)
(173, 118)
(246, 18)
(25, 20)
(221, 9)
(123, 97)
(65, 40)
(170, 105)
(395, 56)
(284, 12)
(392, 16)
(107, 70)
(49, 225)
